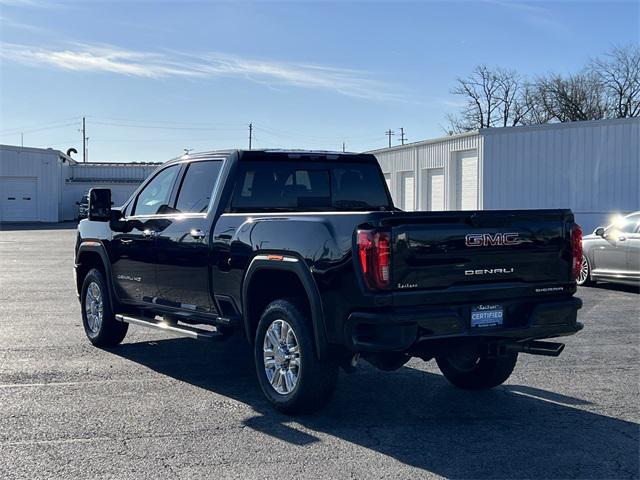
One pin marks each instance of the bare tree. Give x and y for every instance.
(481, 91)
(494, 98)
(619, 73)
(608, 87)
(532, 107)
(512, 107)
(577, 97)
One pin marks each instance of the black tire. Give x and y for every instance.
(481, 374)
(587, 281)
(110, 331)
(316, 380)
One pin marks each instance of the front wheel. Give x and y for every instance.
(290, 374)
(470, 371)
(98, 319)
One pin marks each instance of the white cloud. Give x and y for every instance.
(97, 58)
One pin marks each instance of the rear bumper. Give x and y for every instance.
(399, 330)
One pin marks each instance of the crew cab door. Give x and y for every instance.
(183, 249)
(134, 244)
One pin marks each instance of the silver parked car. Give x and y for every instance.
(612, 254)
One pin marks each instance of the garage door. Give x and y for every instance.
(467, 181)
(435, 189)
(18, 199)
(408, 192)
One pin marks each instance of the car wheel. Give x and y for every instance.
(290, 374)
(469, 371)
(584, 277)
(98, 319)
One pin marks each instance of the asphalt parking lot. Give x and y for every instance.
(160, 406)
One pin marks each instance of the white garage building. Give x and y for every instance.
(43, 185)
(591, 167)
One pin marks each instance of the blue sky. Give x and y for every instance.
(153, 78)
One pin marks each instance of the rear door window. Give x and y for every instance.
(197, 186)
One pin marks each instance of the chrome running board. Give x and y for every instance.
(171, 327)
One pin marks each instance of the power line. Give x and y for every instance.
(167, 122)
(389, 133)
(37, 126)
(16, 132)
(161, 127)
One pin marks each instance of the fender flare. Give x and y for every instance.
(95, 246)
(300, 269)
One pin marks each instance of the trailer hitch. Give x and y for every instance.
(535, 347)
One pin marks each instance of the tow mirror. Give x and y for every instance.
(100, 204)
(599, 231)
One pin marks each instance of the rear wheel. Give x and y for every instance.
(289, 372)
(98, 319)
(470, 371)
(584, 277)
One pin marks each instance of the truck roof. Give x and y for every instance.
(278, 154)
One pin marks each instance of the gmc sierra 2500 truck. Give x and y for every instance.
(305, 253)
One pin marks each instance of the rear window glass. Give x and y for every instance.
(292, 186)
(197, 186)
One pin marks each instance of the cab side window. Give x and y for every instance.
(156, 195)
(197, 186)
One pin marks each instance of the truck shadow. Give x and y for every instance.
(418, 418)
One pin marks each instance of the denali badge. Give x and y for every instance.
(129, 278)
(489, 271)
(490, 239)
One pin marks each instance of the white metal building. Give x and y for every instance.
(43, 185)
(591, 167)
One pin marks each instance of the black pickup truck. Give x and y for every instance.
(305, 254)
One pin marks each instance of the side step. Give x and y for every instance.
(171, 327)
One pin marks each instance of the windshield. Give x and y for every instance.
(305, 186)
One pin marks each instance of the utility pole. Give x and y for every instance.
(388, 133)
(402, 137)
(22, 139)
(250, 134)
(84, 140)
(344, 147)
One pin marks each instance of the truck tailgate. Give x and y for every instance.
(447, 249)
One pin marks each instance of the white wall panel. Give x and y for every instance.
(591, 167)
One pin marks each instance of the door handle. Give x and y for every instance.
(148, 233)
(197, 233)
(622, 238)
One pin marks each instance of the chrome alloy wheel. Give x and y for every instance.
(281, 353)
(94, 307)
(584, 271)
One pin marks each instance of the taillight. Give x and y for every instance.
(374, 253)
(576, 250)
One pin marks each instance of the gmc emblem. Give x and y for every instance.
(491, 239)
